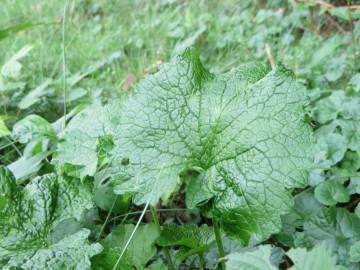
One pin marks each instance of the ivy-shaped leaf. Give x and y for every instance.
(245, 130)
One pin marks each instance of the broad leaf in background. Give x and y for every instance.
(11, 69)
(258, 259)
(140, 250)
(29, 217)
(191, 238)
(330, 150)
(34, 95)
(330, 193)
(318, 258)
(336, 228)
(351, 131)
(245, 129)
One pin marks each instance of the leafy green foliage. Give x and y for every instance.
(355, 252)
(139, 252)
(33, 127)
(192, 239)
(176, 138)
(85, 137)
(4, 33)
(4, 131)
(29, 217)
(259, 259)
(242, 144)
(317, 258)
(331, 193)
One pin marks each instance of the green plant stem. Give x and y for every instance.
(201, 260)
(166, 250)
(219, 242)
(107, 218)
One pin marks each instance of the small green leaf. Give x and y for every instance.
(327, 109)
(330, 150)
(318, 258)
(336, 228)
(193, 239)
(355, 252)
(330, 193)
(258, 259)
(351, 131)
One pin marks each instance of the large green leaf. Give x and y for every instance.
(245, 130)
(31, 231)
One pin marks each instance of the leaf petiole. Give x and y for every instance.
(165, 249)
(219, 243)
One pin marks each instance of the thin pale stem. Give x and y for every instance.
(64, 61)
(165, 249)
(269, 56)
(131, 236)
(219, 243)
(158, 210)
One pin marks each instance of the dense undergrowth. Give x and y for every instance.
(180, 135)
